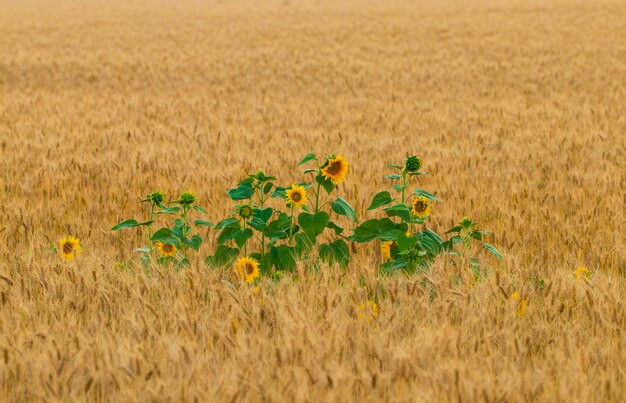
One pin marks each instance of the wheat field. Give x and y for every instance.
(517, 109)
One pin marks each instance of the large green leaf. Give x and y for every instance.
(202, 223)
(224, 256)
(200, 209)
(307, 158)
(241, 236)
(130, 224)
(420, 192)
(305, 241)
(342, 207)
(194, 243)
(242, 192)
(335, 252)
(327, 184)
(399, 210)
(493, 250)
(226, 223)
(380, 199)
(314, 222)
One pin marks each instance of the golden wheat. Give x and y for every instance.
(517, 109)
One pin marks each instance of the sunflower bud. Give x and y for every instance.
(187, 198)
(413, 164)
(244, 211)
(413, 255)
(156, 197)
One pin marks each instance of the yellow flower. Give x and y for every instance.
(421, 207)
(247, 269)
(166, 249)
(521, 310)
(296, 196)
(582, 272)
(368, 310)
(335, 169)
(521, 306)
(70, 247)
(385, 249)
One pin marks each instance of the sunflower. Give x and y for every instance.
(385, 249)
(70, 247)
(244, 211)
(581, 272)
(296, 196)
(368, 310)
(335, 169)
(166, 249)
(421, 207)
(247, 268)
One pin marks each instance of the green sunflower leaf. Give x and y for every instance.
(224, 256)
(314, 223)
(342, 207)
(194, 243)
(493, 250)
(327, 184)
(307, 158)
(200, 209)
(381, 199)
(420, 192)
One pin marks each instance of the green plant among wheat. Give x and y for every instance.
(172, 243)
(406, 242)
(272, 239)
(271, 228)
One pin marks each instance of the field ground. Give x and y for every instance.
(517, 108)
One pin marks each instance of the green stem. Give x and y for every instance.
(317, 198)
(403, 185)
(184, 217)
(150, 227)
(291, 225)
(262, 201)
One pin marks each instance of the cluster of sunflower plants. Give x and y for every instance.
(406, 242)
(172, 243)
(269, 237)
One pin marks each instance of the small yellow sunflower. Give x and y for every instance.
(70, 247)
(582, 272)
(244, 211)
(335, 169)
(247, 269)
(385, 249)
(296, 196)
(421, 207)
(166, 249)
(368, 310)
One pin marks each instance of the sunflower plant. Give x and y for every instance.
(287, 233)
(406, 242)
(171, 243)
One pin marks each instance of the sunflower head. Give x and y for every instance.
(582, 272)
(156, 197)
(244, 211)
(335, 169)
(385, 250)
(413, 255)
(70, 247)
(420, 207)
(296, 196)
(368, 310)
(166, 249)
(247, 269)
(413, 164)
(187, 198)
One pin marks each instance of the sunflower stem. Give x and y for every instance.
(291, 225)
(403, 185)
(317, 198)
(150, 227)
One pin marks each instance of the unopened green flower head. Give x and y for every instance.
(413, 164)
(413, 255)
(156, 197)
(187, 198)
(244, 211)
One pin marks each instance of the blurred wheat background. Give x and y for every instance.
(517, 108)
